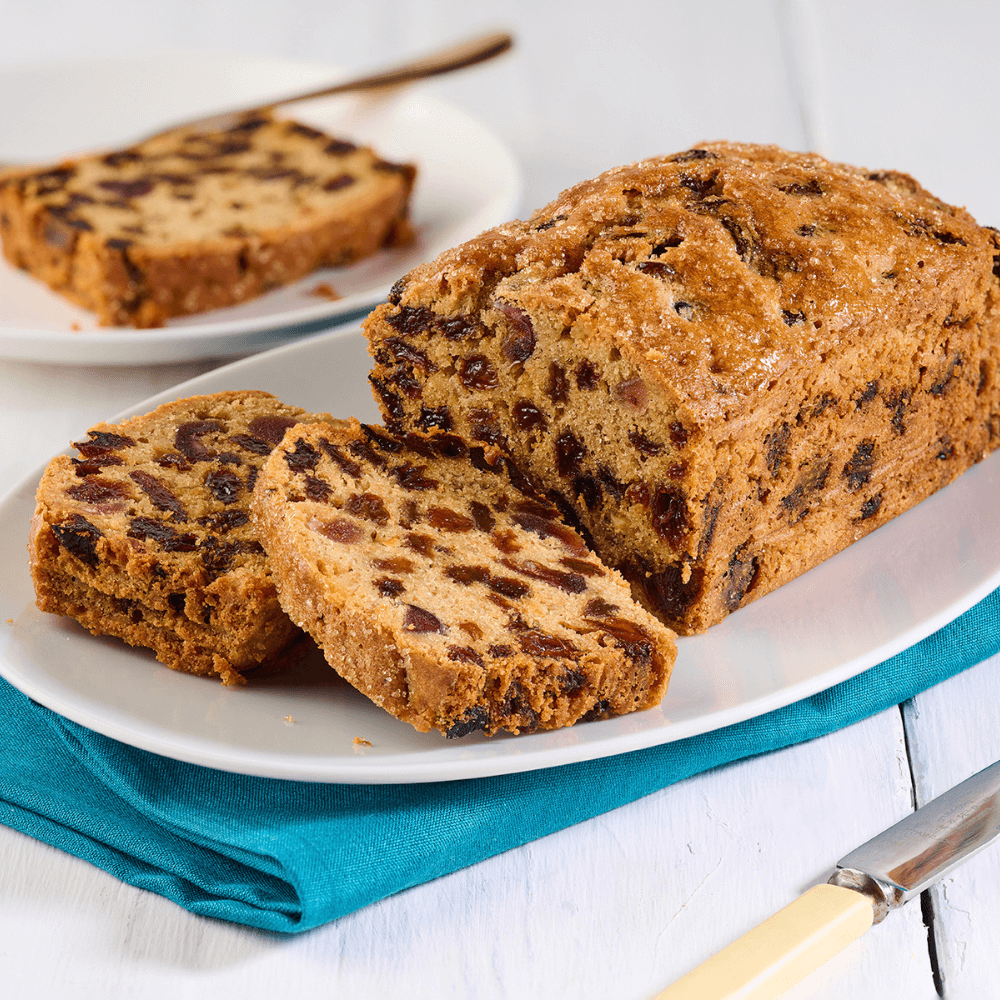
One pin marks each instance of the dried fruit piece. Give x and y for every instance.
(337, 455)
(420, 620)
(424, 544)
(411, 477)
(858, 470)
(527, 416)
(316, 489)
(467, 575)
(340, 529)
(588, 376)
(477, 373)
(78, 537)
(187, 439)
(570, 452)
(389, 586)
(445, 519)
(669, 515)
(270, 428)
(633, 394)
(558, 387)
(224, 485)
(394, 564)
(538, 643)
(519, 345)
(160, 495)
(368, 507)
(101, 442)
(107, 495)
(508, 587)
(571, 583)
(482, 516)
(304, 457)
(162, 532)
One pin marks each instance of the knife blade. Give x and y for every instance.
(869, 882)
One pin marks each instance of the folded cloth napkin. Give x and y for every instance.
(287, 856)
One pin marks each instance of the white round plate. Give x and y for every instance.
(881, 595)
(467, 182)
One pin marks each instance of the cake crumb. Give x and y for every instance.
(325, 290)
(10, 621)
(75, 327)
(358, 741)
(288, 720)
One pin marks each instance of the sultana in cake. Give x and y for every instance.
(733, 361)
(146, 534)
(191, 220)
(445, 590)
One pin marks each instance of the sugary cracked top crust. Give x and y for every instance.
(718, 269)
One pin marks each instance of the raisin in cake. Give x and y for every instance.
(191, 221)
(443, 592)
(146, 535)
(733, 361)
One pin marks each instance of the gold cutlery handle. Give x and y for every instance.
(777, 954)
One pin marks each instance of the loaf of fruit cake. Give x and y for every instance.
(145, 534)
(733, 361)
(192, 220)
(443, 591)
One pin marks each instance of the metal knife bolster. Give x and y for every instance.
(919, 850)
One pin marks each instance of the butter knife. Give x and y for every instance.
(873, 879)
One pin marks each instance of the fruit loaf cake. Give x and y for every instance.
(446, 594)
(733, 361)
(145, 534)
(190, 221)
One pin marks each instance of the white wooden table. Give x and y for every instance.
(623, 904)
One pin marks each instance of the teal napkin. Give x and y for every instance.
(288, 856)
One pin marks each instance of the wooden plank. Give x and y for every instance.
(953, 731)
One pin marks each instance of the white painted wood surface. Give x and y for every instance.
(621, 905)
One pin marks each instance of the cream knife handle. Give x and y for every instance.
(784, 949)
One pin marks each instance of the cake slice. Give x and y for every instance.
(733, 361)
(190, 220)
(146, 533)
(453, 598)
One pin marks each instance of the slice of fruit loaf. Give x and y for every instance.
(146, 535)
(193, 220)
(448, 595)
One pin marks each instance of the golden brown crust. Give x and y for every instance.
(146, 535)
(192, 221)
(446, 595)
(733, 361)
